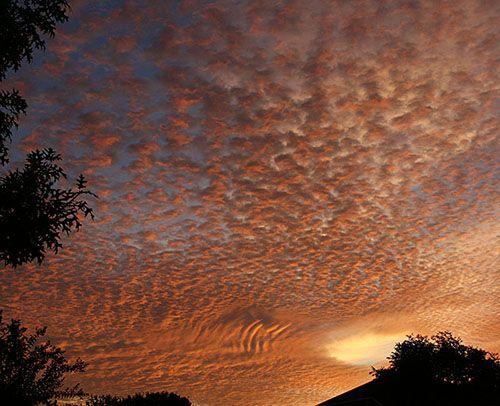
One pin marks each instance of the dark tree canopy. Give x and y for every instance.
(34, 208)
(32, 370)
(139, 399)
(34, 211)
(24, 24)
(12, 105)
(442, 367)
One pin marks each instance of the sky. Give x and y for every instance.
(286, 189)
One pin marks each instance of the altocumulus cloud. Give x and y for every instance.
(276, 178)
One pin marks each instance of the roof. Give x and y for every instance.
(376, 393)
(363, 395)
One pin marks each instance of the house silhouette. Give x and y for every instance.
(364, 395)
(376, 393)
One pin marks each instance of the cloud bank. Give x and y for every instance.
(274, 178)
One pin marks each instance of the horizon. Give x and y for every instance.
(286, 189)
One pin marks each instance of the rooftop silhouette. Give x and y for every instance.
(439, 370)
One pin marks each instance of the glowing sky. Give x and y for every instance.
(286, 188)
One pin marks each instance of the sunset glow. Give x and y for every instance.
(365, 349)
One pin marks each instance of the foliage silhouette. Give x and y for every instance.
(442, 367)
(139, 399)
(12, 105)
(435, 371)
(34, 211)
(24, 25)
(32, 370)
(27, 22)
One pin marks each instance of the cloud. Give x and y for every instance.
(272, 177)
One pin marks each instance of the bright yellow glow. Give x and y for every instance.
(364, 349)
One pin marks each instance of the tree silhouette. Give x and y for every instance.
(34, 210)
(442, 367)
(139, 399)
(31, 370)
(24, 25)
(435, 371)
(12, 105)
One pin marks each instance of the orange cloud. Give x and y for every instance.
(279, 181)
